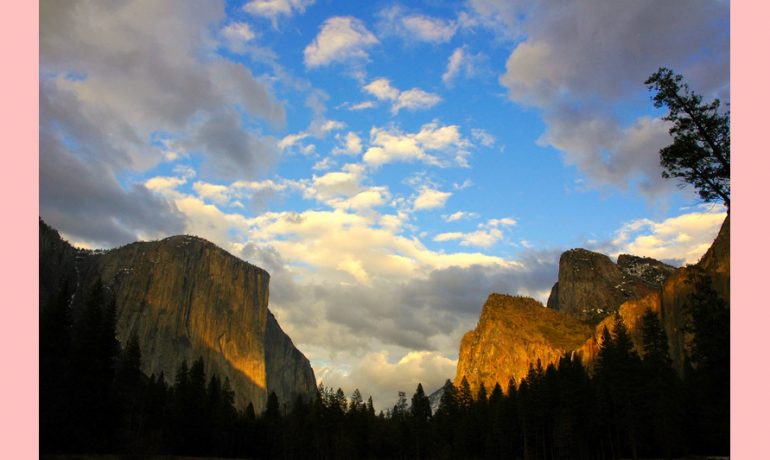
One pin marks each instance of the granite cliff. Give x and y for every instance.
(671, 299)
(591, 286)
(512, 334)
(185, 297)
(515, 332)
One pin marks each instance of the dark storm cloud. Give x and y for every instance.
(85, 201)
(231, 151)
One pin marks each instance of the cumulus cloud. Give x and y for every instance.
(488, 233)
(176, 100)
(411, 99)
(580, 65)
(384, 377)
(461, 63)
(236, 193)
(274, 9)
(341, 39)
(429, 29)
(415, 27)
(362, 105)
(434, 144)
(459, 215)
(430, 198)
(677, 240)
(351, 144)
(237, 35)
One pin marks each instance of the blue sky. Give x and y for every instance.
(390, 164)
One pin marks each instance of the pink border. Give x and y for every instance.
(19, 188)
(750, 318)
(749, 315)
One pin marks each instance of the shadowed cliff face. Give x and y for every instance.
(512, 334)
(186, 298)
(288, 371)
(591, 286)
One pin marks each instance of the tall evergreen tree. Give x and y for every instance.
(709, 383)
(55, 372)
(420, 409)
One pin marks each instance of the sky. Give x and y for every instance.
(390, 164)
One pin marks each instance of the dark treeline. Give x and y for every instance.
(95, 399)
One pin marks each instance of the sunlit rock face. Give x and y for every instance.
(591, 286)
(670, 302)
(512, 334)
(186, 298)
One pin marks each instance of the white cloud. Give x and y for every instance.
(394, 21)
(274, 9)
(382, 89)
(681, 239)
(429, 29)
(453, 65)
(449, 236)
(237, 35)
(377, 374)
(341, 39)
(482, 137)
(487, 235)
(433, 144)
(323, 165)
(160, 183)
(415, 99)
(459, 215)
(351, 144)
(504, 222)
(429, 198)
(412, 99)
(461, 62)
(290, 140)
(363, 105)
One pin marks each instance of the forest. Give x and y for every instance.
(95, 399)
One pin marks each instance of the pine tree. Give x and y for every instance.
(448, 404)
(661, 390)
(654, 341)
(55, 376)
(709, 383)
(356, 401)
(464, 395)
(700, 153)
(420, 409)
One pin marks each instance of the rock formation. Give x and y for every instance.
(591, 286)
(671, 300)
(185, 298)
(512, 334)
